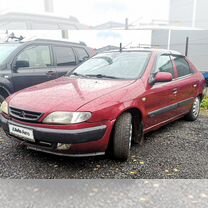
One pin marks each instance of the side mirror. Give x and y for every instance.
(162, 77)
(21, 64)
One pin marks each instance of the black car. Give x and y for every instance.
(23, 64)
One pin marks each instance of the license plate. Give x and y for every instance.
(24, 133)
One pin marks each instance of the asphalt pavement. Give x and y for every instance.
(104, 193)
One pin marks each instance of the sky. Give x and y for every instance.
(94, 12)
(99, 11)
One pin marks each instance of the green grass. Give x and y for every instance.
(204, 104)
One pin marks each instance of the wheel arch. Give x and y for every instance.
(135, 112)
(137, 115)
(4, 91)
(200, 96)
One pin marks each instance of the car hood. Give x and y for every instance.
(64, 94)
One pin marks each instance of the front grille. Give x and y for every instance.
(24, 115)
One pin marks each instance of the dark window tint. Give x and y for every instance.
(35, 57)
(64, 56)
(82, 54)
(182, 66)
(164, 64)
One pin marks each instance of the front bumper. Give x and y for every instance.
(85, 141)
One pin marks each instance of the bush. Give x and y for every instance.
(204, 104)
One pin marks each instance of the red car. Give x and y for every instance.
(106, 103)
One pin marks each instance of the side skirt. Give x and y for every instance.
(159, 125)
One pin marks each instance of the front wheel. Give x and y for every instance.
(122, 137)
(194, 112)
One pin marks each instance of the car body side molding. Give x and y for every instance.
(170, 108)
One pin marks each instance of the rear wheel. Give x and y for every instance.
(194, 112)
(122, 137)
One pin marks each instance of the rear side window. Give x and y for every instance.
(64, 56)
(164, 64)
(182, 66)
(35, 57)
(82, 54)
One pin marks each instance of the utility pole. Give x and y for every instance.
(187, 46)
(194, 13)
(49, 7)
(120, 48)
(65, 34)
(169, 38)
(126, 24)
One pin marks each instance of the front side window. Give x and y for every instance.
(164, 64)
(64, 56)
(123, 65)
(182, 66)
(34, 57)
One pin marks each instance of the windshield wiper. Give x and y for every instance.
(78, 75)
(101, 76)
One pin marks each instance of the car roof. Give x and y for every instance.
(9, 43)
(157, 50)
(46, 40)
(53, 40)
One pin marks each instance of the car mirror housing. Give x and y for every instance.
(21, 64)
(162, 77)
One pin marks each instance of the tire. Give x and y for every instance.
(194, 112)
(122, 137)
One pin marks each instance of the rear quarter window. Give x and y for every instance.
(182, 66)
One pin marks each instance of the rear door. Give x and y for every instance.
(65, 59)
(187, 84)
(33, 65)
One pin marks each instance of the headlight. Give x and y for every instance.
(5, 107)
(67, 117)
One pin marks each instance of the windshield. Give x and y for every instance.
(118, 65)
(6, 50)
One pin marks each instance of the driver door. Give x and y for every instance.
(161, 98)
(33, 65)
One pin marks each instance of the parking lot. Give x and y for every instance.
(178, 150)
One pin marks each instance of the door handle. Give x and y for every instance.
(175, 91)
(50, 73)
